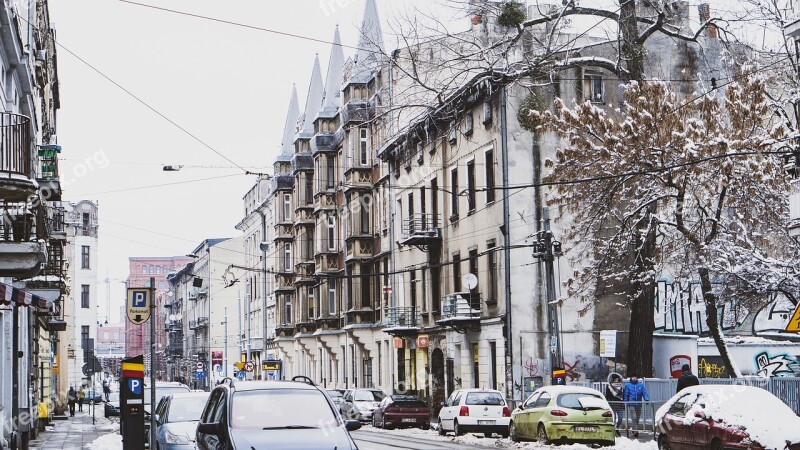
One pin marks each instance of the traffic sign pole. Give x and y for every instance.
(152, 364)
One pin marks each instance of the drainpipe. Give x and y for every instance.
(264, 247)
(506, 243)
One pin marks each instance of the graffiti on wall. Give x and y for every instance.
(781, 365)
(711, 367)
(532, 367)
(679, 308)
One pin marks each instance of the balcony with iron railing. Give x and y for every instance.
(23, 234)
(48, 179)
(16, 157)
(461, 311)
(421, 229)
(356, 112)
(199, 323)
(402, 320)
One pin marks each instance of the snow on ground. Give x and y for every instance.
(111, 441)
(622, 443)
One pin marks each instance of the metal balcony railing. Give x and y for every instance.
(403, 316)
(461, 305)
(15, 144)
(422, 225)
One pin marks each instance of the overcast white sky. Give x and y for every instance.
(227, 85)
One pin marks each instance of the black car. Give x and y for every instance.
(272, 414)
(112, 405)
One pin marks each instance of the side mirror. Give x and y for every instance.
(352, 425)
(209, 428)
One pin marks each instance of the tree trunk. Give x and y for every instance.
(642, 326)
(712, 320)
(632, 53)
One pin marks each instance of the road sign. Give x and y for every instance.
(135, 386)
(200, 366)
(249, 366)
(608, 343)
(92, 367)
(138, 305)
(200, 374)
(239, 374)
(793, 326)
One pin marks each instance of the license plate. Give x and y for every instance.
(585, 429)
(486, 422)
(409, 419)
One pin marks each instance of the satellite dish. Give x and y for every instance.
(470, 281)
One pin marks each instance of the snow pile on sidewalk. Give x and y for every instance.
(111, 441)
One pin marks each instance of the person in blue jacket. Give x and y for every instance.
(635, 393)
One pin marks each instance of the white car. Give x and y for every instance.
(475, 410)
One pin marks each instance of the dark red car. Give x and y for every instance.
(402, 411)
(720, 417)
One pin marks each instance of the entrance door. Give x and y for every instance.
(438, 393)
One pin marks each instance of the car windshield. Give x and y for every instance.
(581, 400)
(280, 409)
(186, 409)
(368, 396)
(334, 394)
(485, 398)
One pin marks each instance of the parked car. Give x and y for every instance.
(360, 403)
(475, 410)
(111, 407)
(564, 414)
(726, 416)
(402, 411)
(241, 415)
(162, 388)
(93, 395)
(336, 395)
(176, 418)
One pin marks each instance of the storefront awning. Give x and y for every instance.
(11, 295)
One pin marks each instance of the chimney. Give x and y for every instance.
(705, 13)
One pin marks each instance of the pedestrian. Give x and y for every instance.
(106, 389)
(615, 398)
(72, 397)
(81, 396)
(686, 379)
(635, 393)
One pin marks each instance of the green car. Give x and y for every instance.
(564, 414)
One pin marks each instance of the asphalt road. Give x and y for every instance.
(373, 439)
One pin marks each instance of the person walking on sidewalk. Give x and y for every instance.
(81, 396)
(106, 388)
(615, 399)
(686, 379)
(635, 393)
(72, 397)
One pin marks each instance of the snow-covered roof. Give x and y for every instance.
(763, 416)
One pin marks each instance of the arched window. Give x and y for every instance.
(158, 270)
(165, 270)
(144, 270)
(152, 270)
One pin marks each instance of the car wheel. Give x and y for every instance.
(456, 431)
(542, 434)
(487, 434)
(441, 429)
(426, 427)
(663, 444)
(716, 445)
(512, 431)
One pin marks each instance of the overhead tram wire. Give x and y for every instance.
(152, 186)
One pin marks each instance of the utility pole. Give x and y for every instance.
(225, 351)
(248, 299)
(152, 362)
(546, 250)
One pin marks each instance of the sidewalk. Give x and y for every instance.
(76, 432)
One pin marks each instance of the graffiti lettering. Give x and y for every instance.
(775, 366)
(532, 366)
(680, 307)
(570, 370)
(708, 369)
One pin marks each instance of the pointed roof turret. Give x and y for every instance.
(332, 98)
(287, 142)
(370, 44)
(313, 100)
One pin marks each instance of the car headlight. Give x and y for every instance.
(170, 438)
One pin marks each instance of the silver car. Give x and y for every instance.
(176, 418)
(360, 403)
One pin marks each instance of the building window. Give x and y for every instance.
(287, 208)
(158, 270)
(311, 302)
(363, 146)
(85, 338)
(471, 186)
(309, 191)
(144, 270)
(413, 287)
(468, 126)
(454, 194)
(473, 269)
(456, 272)
(86, 224)
(331, 175)
(287, 257)
(85, 296)
(152, 270)
(85, 257)
(365, 210)
(593, 87)
(492, 283)
(331, 233)
(332, 301)
(287, 308)
(435, 200)
(489, 166)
